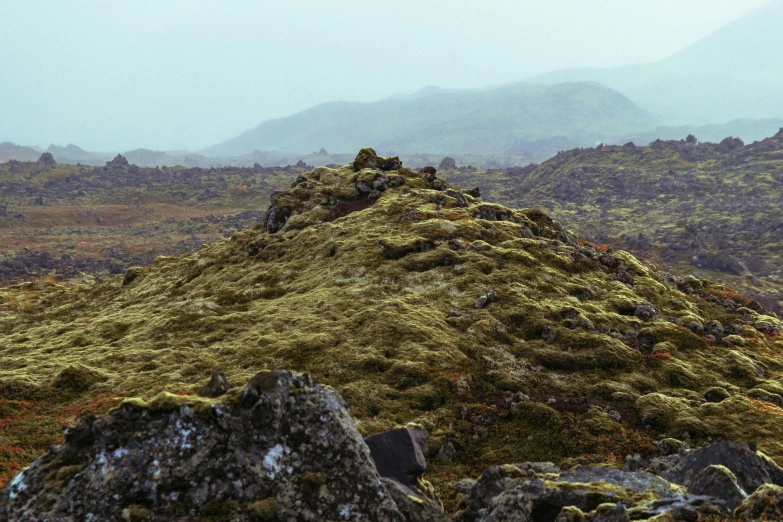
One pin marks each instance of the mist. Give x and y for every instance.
(186, 75)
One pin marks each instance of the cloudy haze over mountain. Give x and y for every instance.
(110, 75)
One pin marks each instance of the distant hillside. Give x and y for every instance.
(733, 73)
(710, 209)
(9, 151)
(484, 121)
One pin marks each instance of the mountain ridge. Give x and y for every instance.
(443, 121)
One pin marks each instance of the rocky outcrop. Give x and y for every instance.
(118, 161)
(281, 448)
(47, 160)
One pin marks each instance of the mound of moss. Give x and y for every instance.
(492, 327)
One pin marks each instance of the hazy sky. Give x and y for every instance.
(184, 74)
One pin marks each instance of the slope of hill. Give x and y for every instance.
(731, 74)
(9, 151)
(492, 327)
(711, 209)
(485, 121)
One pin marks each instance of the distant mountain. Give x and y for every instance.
(73, 153)
(481, 121)
(9, 151)
(732, 73)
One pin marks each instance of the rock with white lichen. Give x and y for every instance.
(281, 448)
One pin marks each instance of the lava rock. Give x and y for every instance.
(46, 160)
(447, 163)
(719, 482)
(281, 448)
(751, 468)
(118, 161)
(766, 503)
(399, 453)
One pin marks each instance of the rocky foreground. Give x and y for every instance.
(284, 448)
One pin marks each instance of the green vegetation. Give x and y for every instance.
(380, 299)
(713, 210)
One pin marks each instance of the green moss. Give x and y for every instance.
(312, 482)
(265, 510)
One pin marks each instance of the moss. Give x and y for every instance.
(218, 510)
(312, 482)
(399, 334)
(136, 513)
(265, 510)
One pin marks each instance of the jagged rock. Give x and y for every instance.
(730, 144)
(281, 448)
(46, 159)
(217, 386)
(751, 468)
(430, 171)
(719, 482)
(680, 507)
(447, 163)
(118, 161)
(539, 492)
(766, 503)
(369, 159)
(412, 505)
(399, 453)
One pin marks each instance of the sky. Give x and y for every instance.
(111, 75)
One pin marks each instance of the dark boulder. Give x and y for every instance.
(751, 468)
(447, 163)
(46, 160)
(399, 453)
(118, 161)
(282, 448)
(719, 482)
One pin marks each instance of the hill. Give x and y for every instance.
(9, 151)
(704, 208)
(484, 121)
(733, 73)
(494, 328)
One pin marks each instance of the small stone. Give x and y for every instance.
(218, 385)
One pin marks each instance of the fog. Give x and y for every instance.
(188, 74)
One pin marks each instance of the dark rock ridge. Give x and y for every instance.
(281, 448)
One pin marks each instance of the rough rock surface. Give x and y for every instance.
(399, 453)
(751, 468)
(766, 503)
(540, 492)
(281, 448)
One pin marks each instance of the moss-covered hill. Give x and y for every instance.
(711, 209)
(419, 302)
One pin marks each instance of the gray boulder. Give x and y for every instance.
(280, 448)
